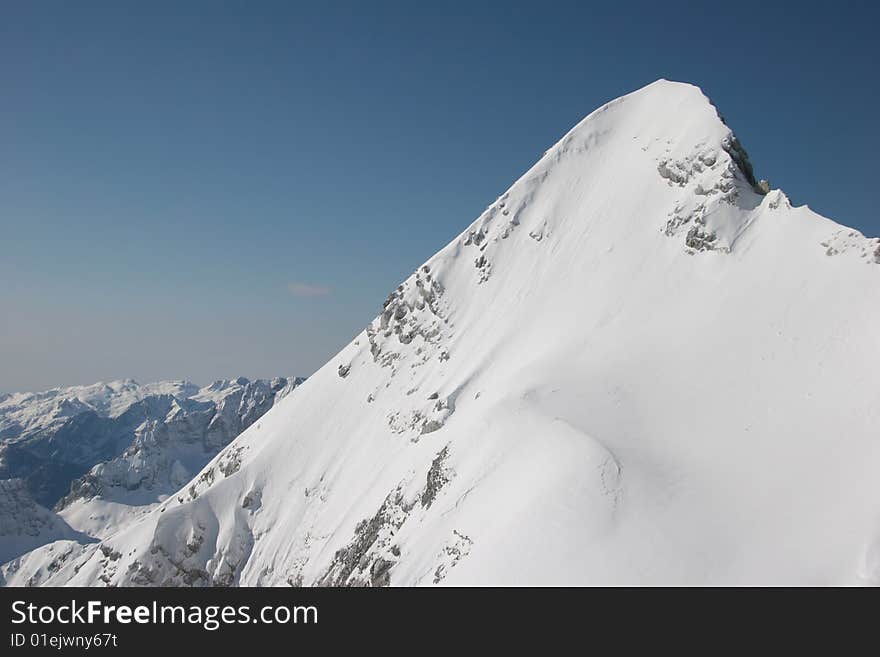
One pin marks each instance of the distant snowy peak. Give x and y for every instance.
(113, 451)
(21, 412)
(49, 438)
(29, 411)
(168, 449)
(284, 387)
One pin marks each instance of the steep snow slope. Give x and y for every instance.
(634, 367)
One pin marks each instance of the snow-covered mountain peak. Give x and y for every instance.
(669, 128)
(635, 366)
(676, 112)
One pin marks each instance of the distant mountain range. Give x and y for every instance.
(101, 454)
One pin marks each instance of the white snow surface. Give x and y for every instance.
(632, 368)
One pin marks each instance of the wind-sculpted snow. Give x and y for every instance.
(637, 366)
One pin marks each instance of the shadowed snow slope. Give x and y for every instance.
(632, 368)
(25, 525)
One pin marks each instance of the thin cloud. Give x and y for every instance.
(307, 291)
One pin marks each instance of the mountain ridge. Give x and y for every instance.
(633, 367)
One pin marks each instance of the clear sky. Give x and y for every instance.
(203, 189)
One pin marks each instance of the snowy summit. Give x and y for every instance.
(639, 365)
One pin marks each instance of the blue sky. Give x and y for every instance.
(190, 190)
